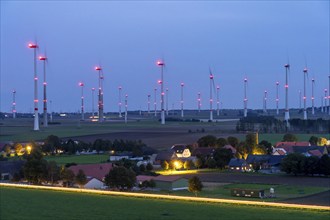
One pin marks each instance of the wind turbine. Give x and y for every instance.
(211, 95)
(325, 100)
(265, 101)
(126, 97)
(93, 91)
(119, 100)
(277, 99)
(199, 102)
(45, 116)
(305, 110)
(148, 104)
(81, 84)
(329, 97)
(14, 104)
(161, 64)
(218, 101)
(245, 97)
(182, 85)
(36, 114)
(155, 101)
(299, 98)
(313, 110)
(286, 114)
(100, 102)
(51, 111)
(166, 101)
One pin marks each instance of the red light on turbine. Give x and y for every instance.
(42, 58)
(305, 70)
(32, 45)
(98, 68)
(277, 83)
(287, 65)
(160, 63)
(211, 76)
(182, 84)
(81, 84)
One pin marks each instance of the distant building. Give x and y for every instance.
(9, 168)
(181, 150)
(238, 165)
(168, 183)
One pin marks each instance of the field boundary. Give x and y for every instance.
(170, 197)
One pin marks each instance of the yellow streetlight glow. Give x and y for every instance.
(28, 148)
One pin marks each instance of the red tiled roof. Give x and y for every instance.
(97, 171)
(301, 143)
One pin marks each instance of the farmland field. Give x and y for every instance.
(40, 204)
(81, 159)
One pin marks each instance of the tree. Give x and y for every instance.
(120, 178)
(207, 141)
(198, 163)
(267, 145)
(211, 163)
(313, 140)
(165, 165)
(67, 176)
(233, 141)
(142, 168)
(188, 164)
(195, 185)
(222, 157)
(149, 167)
(7, 150)
(18, 147)
(53, 172)
(81, 178)
(322, 141)
(324, 165)
(290, 138)
(293, 163)
(52, 144)
(35, 168)
(221, 142)
(310, 165)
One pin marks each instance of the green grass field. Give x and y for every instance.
(282, 192)
(38, 204)
(78, 159)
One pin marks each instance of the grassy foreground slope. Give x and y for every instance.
(39, 204)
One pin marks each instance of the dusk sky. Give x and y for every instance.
(236, 39)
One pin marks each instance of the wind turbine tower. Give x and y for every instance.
(81, 84)
(182, 85)
(126, 97)
(148, 104)
(313, 110)
(218, 102)
(166, 101)
(93, 90)
(211, 96)
(100, 101)
(161, 64)
(305, 110)
(286, 114)
(155, 101)
(45, 116)
(36, 115)
(325, 100)
(329, 97)
(277, 99)
(119, 100)
(199, 102)
(245, 97)
(265, 101)
(14, 104)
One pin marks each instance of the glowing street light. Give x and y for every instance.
(28, 149)
(36, 115)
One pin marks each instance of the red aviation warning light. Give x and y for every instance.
(98, 68)
(160, 63)
(42, 58)
(30, 45)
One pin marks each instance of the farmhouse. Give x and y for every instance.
(95, 173)
(9, 168)
(238, 165)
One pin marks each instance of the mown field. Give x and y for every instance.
(39, 204)
(79, 159)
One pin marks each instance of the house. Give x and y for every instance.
(206, 152)
(168, 182)
(265, 162)
(239, 165)
(181, 150)
(229, 147)
(9, 168)
(165, 156)
(310, 150)
(95, 173)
